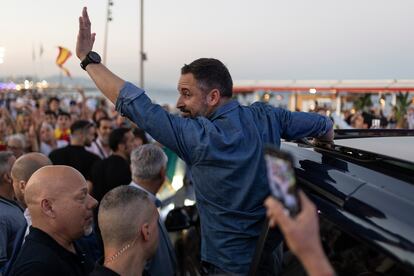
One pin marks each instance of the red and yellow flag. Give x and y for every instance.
(62, 57)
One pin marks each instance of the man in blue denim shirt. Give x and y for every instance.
(221, 142)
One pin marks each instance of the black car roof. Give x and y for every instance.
(396, 147)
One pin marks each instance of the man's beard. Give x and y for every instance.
(88, 230)
(88, 143)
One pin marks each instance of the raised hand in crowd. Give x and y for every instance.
(85, 112)
(301, 234)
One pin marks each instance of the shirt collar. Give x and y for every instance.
(152, 197)
(27, 216)
(232, 104)
(44, 238)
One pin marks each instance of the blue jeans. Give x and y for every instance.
(270, 264)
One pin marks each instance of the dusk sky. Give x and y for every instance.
(261, 39)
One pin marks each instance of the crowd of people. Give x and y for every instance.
(78, 187)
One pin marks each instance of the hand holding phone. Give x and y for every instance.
(281, 178)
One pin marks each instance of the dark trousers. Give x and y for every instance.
(270, 264)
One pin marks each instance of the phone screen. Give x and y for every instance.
(281, 178)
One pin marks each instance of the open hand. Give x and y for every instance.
(86, 39)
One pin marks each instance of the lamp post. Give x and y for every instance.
(2, 53)
(108, 19)
(143, 55)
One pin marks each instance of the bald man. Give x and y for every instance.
(62, 211)
(128, 220)
(21, 171)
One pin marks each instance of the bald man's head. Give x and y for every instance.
(58, 200)
(126, 215)
(23, 169)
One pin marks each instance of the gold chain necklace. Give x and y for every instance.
(119, 253)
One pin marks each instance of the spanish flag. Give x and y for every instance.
(63, 56)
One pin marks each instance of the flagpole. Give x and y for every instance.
(108, 19)
(142, 54)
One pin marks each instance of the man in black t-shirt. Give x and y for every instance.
(129, 223)
(75, 154)
(61, 210)
(114, 170)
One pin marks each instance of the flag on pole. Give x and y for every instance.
(62, 57)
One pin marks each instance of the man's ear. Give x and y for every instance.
(145, 232)
(22, 185)
(47, 208)
(213, 98)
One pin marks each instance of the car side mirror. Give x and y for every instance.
(181, 218)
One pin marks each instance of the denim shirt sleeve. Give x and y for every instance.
(181, 135)
(296, 125)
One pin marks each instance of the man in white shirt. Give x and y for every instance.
(100, 146)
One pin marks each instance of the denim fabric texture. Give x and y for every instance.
(225, 156)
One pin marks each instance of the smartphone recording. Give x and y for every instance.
(281, 178)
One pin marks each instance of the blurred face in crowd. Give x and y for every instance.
(105, 128)
(46, 133)
(54, 106)
(50, 119)
(358, 121)
(192, 101)
(99, 113)
(26, 122)
(15, 146)
(74, 116)
(89, 135)
(138, 142)
(128, 145)
(63, 122)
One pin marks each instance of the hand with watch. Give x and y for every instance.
(91, 57)
(85, 42)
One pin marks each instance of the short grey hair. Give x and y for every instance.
(17, 137)
(4, 162)
(147, 161)
(120, 211)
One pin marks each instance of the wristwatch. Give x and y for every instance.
(91, 57)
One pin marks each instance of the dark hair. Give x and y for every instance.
(98, 123)
(50, 112)
(140, 133)
(117, 137)
(53, 99)
(80, 125)
(210, 74)
(63, 113)
(95, 113)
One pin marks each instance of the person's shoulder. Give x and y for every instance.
(263, 109)
(58, 151)
(33, 267)
(261, 106)
(92, 156)
(35, 258)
